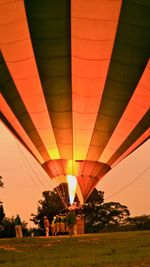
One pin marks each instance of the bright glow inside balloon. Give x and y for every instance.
(72, 185)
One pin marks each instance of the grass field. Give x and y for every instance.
(125, 249)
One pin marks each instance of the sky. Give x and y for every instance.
(25, 180)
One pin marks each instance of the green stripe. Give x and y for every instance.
(49, 25)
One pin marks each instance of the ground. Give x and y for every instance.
(124, 249)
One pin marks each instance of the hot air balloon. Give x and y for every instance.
(75, 83)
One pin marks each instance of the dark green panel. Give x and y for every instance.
(100, 135)
(64, 104)
(14, 101)
(129, 58)
(53, 68)
(50, 29)
(51, 47)
(142, 126)
(47, 9)
(106, 124)
(48, 82)
(61, 120)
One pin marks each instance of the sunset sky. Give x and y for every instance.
(25, 180)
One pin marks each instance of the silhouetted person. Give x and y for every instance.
(46, 226)
(53, 226)
(18, 227)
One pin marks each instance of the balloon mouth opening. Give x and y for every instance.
(72, 187)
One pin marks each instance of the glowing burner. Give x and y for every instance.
(72, 185)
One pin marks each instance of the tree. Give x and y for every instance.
(1, 182)
(103, 216)
(52, 203)
(98, 215)
(116, 214)
(2, 214)
(49, 206)
(8, 228)
(96, 197)
(139, 222)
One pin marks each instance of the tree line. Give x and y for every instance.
(99, 216)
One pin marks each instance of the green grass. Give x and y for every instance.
(125, 249)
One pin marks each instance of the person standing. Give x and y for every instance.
(53, 226)
(62, 224)
(18, 227)
(57, 224)
(46, 226)
(71, 221)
